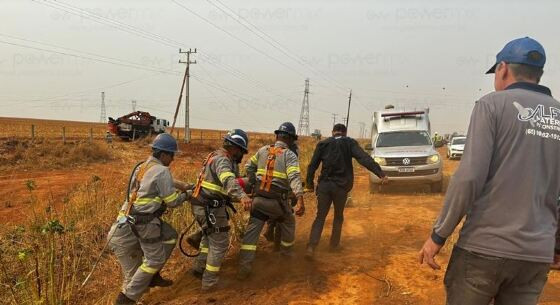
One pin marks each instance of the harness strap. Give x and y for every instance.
(141, 172)
(211, 230)
(207, 161)
(266, 182)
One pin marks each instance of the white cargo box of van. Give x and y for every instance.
(394, 120)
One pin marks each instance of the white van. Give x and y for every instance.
(401, 144)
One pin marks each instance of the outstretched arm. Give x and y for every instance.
(365, 159)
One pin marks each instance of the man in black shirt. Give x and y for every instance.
(335, 182)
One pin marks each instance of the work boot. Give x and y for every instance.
(194, 240)
(197, 274)
(158, 281)
(309, 253)
(243, 274)
(122, 299)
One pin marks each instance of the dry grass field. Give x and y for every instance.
(58, 200)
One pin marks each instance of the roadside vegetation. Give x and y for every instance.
(51, 154)
(45, 259)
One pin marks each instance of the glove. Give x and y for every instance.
(300, 206)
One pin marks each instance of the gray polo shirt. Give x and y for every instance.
(508, 181)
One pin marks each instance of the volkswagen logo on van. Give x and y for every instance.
(406, 161)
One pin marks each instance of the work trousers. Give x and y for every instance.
(141, 260)
(476, 279)
(213, 246)
(265, 209)
(328, 193)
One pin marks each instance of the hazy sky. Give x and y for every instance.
(408, 53)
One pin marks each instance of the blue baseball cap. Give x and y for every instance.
(525, 51)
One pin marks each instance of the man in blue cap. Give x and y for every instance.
(507, 186)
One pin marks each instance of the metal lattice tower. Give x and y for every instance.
(133, 106)
(103, 117)
(303, 128)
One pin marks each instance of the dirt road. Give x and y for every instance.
(381, 237)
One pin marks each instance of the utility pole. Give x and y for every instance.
(303, 128)
(133, 106)
(334, 118)
(348, 113)
(187, 138)
(103, 116)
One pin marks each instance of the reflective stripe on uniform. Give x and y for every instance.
(171, 197)
(293, 169)
(274, 174)
(249, 247)
(148, 269)
(224, 175)
(204, 250)
(287, 244)
(147, 200)
(213, 187)
(170, 242)
(254, 159)
(212, 268)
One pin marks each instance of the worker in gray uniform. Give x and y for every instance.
(275, 172)
(216, 188)
(142, 241)
(506, 189)
(273, 231)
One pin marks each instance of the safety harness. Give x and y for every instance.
(266, 189)
(137, 218)
(210, 204)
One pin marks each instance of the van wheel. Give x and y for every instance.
(436, 187)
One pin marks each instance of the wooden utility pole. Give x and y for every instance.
(187, 138)
(334, 118)
(348, 113)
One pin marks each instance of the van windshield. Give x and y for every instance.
(459, 141)
(403, 138)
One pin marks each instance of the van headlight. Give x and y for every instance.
(433, 159)
(380, 161)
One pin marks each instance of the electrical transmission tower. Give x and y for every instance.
(133, 106)
(303, 128)
(103, 117)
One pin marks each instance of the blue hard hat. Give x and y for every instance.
(525, 51)
(165, 142)
(287, 128)
(238, 138)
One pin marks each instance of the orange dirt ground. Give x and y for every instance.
(378, 265)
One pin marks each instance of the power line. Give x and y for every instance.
(91, 58)
(271, 41)
(141, 33)
(236, 38)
